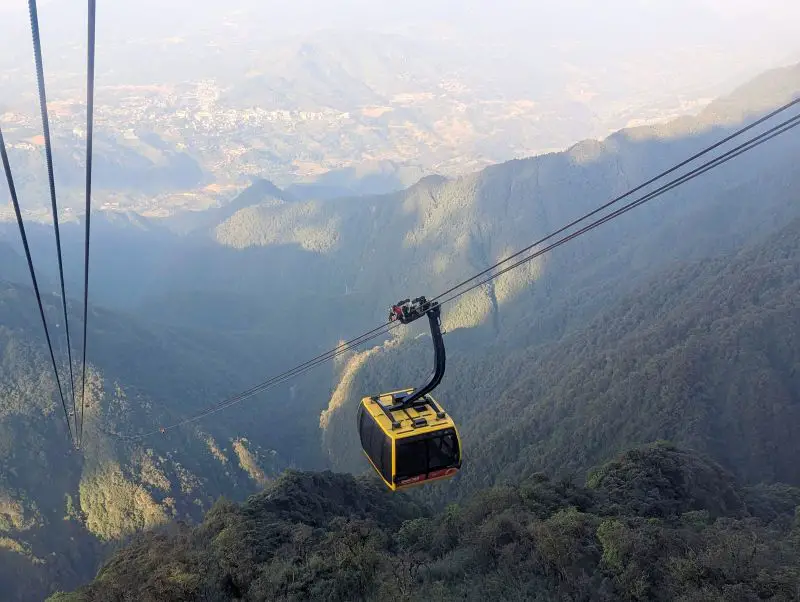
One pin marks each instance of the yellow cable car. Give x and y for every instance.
(407, 437)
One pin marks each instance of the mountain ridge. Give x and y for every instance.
(542, 540)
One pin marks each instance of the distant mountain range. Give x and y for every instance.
(359, 114)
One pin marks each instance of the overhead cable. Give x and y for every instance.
(48, 148)
(14, 201)
(88, 218)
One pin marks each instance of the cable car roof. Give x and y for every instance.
(409, 420)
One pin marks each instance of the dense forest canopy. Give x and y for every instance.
(656, 523)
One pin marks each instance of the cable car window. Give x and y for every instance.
(412, 458)
(363, 428)
(386, 458)
(371, 438)
(376, 445)
(366, 428)
(442, 451)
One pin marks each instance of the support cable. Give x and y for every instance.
(13, 192)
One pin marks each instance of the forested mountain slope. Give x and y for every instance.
(344, 253)
(13, 266)
(59, 508)
(615, 339)
(343, 260)
(440, 230)
(328, 269)
(706, 354)
(575, 295)
(658, 523)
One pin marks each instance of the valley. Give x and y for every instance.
(676, 322)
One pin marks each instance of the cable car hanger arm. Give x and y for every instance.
(407, 311)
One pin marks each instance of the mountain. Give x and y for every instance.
(13, 270)
(340, 251)
(368, 178)
(657, 523)
(61, 509)
(704, 354)
(258, 192)
(556, 366)
(124, 248)
(438, 230)
(592, 350)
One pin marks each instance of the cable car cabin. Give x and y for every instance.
(408, 446)
(407, 437)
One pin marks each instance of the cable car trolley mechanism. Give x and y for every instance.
(407, 437)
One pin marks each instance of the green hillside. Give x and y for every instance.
(61, 509)
(658, 523)
(705, 354)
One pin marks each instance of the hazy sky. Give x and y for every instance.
(719, 42)
(475, 15)
(757, 23)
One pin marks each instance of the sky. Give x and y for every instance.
(756, 23)
(689, 43)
